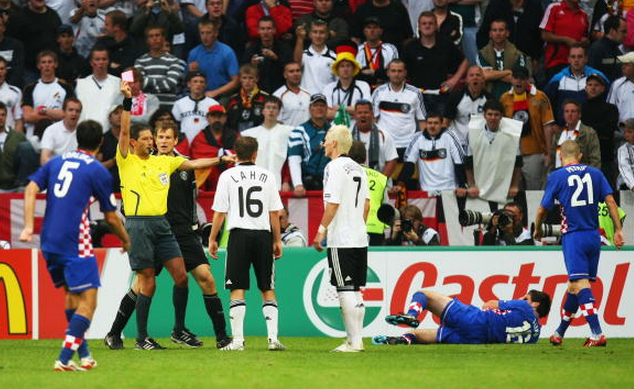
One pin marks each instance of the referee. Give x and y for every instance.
(145, 183)
(248, 195)
(183, 220)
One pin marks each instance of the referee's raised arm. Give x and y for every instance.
(124, 134)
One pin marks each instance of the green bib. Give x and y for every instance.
(377, 182)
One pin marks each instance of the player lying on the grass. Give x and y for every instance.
(181, 215)
(579, 189)
(71, 179)
(499, 321)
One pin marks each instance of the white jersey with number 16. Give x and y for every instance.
(247, 194)
(346, 184)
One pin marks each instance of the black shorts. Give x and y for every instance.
(348, 267)
(151, 241)
(191, 248)
(247, 247)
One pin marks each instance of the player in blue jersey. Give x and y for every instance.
(499, 321)
(579, 189)
(71, 181)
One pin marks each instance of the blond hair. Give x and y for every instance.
(570, 149)
(341, 134)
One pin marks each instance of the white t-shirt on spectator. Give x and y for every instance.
(63, 8)
(98, 97)
(87, 30)
(294, 105)
(317, 74)
(387, 150)
(398, 112)
(11, 96)
(192, 114)
(58, 139)
(272, 148)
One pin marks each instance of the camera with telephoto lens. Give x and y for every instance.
(406, 225)
(467, 217)
(548, 230)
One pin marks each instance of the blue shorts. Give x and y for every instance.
(77, 274)
(581, 254)
(462, 324)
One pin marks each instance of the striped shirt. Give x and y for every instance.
(161, 74)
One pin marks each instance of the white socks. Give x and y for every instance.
(237, 310)
(360, 314)
(350, 313)
(270, 312)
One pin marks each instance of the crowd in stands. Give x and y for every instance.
(473, 96)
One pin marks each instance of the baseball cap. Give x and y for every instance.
(372, 20)
(217, 108)
(626, 58)
(65, 29)
(317, 97)
(596, 77)
(520, 72)
(196, 73)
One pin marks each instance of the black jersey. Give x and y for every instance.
(181, 199)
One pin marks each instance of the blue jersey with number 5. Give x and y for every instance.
(579, 189)
(70, 180)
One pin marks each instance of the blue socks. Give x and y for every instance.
(83, 348)
(570, 308)
(588, 309)
(77, 327)
(417, 305)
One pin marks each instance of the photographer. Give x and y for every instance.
(506, 229)
(409, 230)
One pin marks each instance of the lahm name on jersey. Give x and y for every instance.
(576, 168)
(249, 175)
(78, 155)
(430, 155)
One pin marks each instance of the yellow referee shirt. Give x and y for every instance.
(146, 182)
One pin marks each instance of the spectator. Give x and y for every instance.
(157, 14)
(430, 59)
(525, 103)
(316, 59)
(99, 91)
(379, 146)
(575, 130)
(143, 104)
(216, 60)
(295, 99)
(244, 109)
(64, 8)
(61, 137)
(461, 104)
(602, 11)
(162, 72)
(346, 90)
(392, 15)
(108, 148)
(306, 158)
(300, 8)
(498, 59)
(230, 32)
(11, 12)
(493, 171)
(449, 22)
(71, 65)
(272, 140)
(511, 233)
(12, 51)
(269, 55)
(11, 97)
(570, 82)
(126, 6)
(43, 99)
(88, 23)
(399, 107)
(121, 46)
(292, 236)
(439, 156)
(622, 90)
(280, 13)
(563, 25)
(603, 117)
(213, 141)
(470, 13)
(522, 21)
(603, 53)
(191, 110)
(337, 27)
(410, 230)
(374, 55)
(9, 141)
(38, 34)
(625, 158)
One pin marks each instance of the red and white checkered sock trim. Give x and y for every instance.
(567, 315)
(72, 342)
(588, 309)
(415, 306)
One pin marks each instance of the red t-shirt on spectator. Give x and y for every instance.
(560, 19)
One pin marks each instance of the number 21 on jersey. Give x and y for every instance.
(579, 184)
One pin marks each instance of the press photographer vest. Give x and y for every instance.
(376, 184)
(494, 162)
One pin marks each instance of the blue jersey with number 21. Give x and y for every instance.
(71, 180)
(579, 189)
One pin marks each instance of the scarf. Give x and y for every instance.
(247, 99)
(373, 152)
(520, 102)
(373, 61)
(138, 105)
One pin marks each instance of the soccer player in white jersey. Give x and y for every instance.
(346, 203)
(248, 195)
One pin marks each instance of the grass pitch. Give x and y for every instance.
(308, 364)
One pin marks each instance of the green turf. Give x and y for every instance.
(308, 364)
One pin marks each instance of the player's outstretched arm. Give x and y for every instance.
(491, 304)
(124, 134)
(32, 189)
(204, 163)
(539, 219)
(329, 214)
(116, 225)
(218, 219)
(619, 238)
(274, 217)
